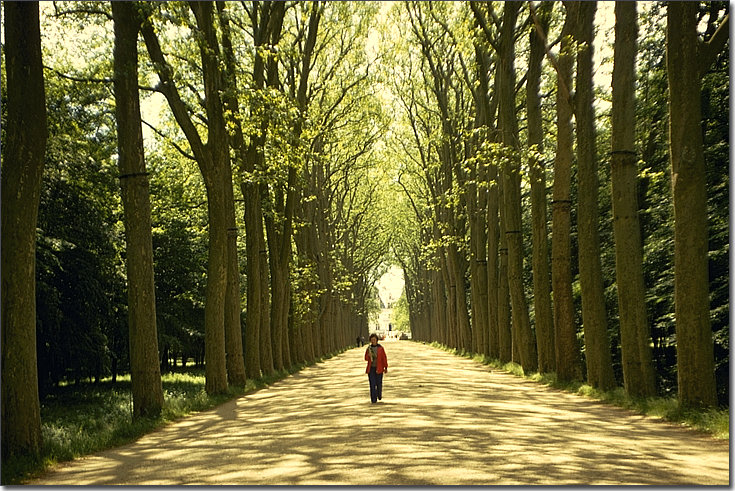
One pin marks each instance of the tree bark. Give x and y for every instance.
(210, 164)
(565, 336)
(493, 261)
(280, 236)
(594, 316)
(694, 344)
(505, 342)
(236, 373)
(221, 206)
(145, 371)
(258, 347)
(479, 214)
(526, 342)
(635, 339)
(493, 195)
(537, 176)
(22, 169)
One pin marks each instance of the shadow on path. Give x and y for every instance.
(443, 420)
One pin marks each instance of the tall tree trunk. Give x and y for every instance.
(220, 210)
(537, 176)
(235, 357)
(457, 271)
(211, 158)
(594, 316)
(252, 218)
(258, 346)
(695, 358)
(482, 57)
(266, 333)
(306, 244)
(493, 261)
(22, 169)
(565, 336)
(439, 308)
(526, 342)
(236, 374)
(505, 343)
(635, 338)
(479, 213)
(280, 234)
(476, 238)
(145, 370)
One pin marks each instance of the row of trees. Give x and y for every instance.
(617, 273)
(259, 118)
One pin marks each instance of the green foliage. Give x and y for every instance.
(180, 255)
(400, 317)
(716, 118)
(80, 280)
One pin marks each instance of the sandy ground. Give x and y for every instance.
(443, 420)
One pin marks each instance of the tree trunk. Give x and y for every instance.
(22, 168)
(221, 210)
(694, 345)
(635, 339)
(280, 234)
(479, 214)
(238, 369)
(251, 196)
(235, 361)
(493, 261)
(505, 343)
(482, 57)
(464, 334)
(565, 336)
(537, 175)
(526, 342)
(594, 316)
(258, 346)
(211, 159)
(266, 332)
(144, 367)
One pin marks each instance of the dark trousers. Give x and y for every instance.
(376, 385)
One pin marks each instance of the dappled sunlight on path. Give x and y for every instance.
(443, 420)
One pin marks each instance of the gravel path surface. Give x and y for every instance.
(443, 420)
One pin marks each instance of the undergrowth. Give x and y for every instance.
(77, 420)
(714, 421)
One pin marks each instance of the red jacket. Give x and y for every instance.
(382, 361)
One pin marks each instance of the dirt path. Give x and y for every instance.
(443, 420)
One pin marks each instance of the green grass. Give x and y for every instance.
(77, 420)
(714, 421)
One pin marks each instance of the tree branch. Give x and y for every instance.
(169, 140)
(85, 11)
(709, 50)
(79, 79)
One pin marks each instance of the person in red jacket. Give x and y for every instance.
(376, 367)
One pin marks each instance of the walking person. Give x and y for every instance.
(376, 367)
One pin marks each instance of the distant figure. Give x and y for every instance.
(376, 367)
(390, 327)
(359, 341)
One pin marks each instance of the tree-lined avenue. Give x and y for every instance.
(444, 420)
(214, 189)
